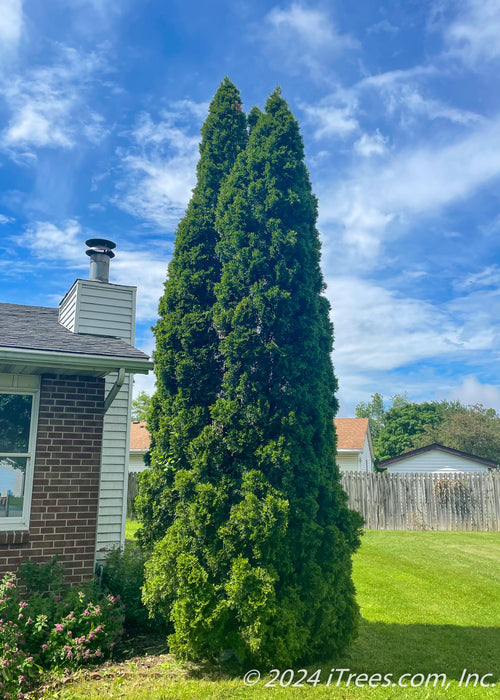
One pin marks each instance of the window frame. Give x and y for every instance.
(26, 385)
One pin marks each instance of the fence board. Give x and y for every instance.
(425, 501)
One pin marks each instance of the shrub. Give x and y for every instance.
(47, 631)
(123, 576)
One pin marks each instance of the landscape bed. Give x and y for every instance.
(428, 604)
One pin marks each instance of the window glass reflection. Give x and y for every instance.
(15, 416)
(12, 478)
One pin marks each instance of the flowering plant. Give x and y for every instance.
(45, 631)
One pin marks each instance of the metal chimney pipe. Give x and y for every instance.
(100, 253)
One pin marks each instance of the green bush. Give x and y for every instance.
(45, 631)
(123, 576)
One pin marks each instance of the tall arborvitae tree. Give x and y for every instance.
(187, 362)
(257, 562)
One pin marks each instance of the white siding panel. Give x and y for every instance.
(348, 462)
(67, 309)
(136, 462)
(114, 467)
(435, 461)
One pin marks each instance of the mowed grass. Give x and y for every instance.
(430, 603)
(131, 527)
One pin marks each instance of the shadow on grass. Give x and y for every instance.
(392, 648)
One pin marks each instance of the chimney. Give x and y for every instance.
(100, 253)
(97, 306)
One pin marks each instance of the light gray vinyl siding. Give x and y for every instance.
(348, 461)
(435, 461)
(67, 309)
(108, 310)
(104, 309)
(114, 468)
(136, 461)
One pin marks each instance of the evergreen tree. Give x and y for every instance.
(187, 363)
(258, 559)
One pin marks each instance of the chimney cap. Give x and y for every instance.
(100, 245)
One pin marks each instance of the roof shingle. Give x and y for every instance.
(38, 328)
(351, 433)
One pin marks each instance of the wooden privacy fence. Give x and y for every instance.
(414, 501)
(425, 501)
(131, 493)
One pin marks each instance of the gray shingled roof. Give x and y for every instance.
(38, 328)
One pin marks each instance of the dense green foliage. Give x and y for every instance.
(123, 577)
(472, 429)
(187, 361)
(403, 425)
(256, 564)
(406, 425)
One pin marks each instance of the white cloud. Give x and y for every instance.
(311, 27)
(333, 115)
(378, 331)
(383, 26)
(146, 269)
(298, 36)
(471, 391)
(413, 182)
(47, 105)
(5, 219)
(489, 277)
(11, 22)
(369, 145)
(474, 35)
(159, 168)
(49, 242)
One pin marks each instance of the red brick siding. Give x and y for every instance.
(66, 479)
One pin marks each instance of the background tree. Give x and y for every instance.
(472, 429)
(257, 562)
(187, 361)
(403, 424)
(141, 406)
(376, 411)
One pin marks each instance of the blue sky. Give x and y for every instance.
(399, 105)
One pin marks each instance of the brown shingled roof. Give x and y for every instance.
(139, 436)
(351, 433)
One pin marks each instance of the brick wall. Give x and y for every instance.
(66, 479)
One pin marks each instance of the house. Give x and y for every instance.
(354, 444)
(139, 445)
(436, 459)
(65, 397)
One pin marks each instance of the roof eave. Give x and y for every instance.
(100, 365)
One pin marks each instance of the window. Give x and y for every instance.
(19, 396)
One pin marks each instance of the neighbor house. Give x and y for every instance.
(354, 445)
(139, 445)
(436, 459)
(65, 398)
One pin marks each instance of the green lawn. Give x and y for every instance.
(131, 527)
(429, 603)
